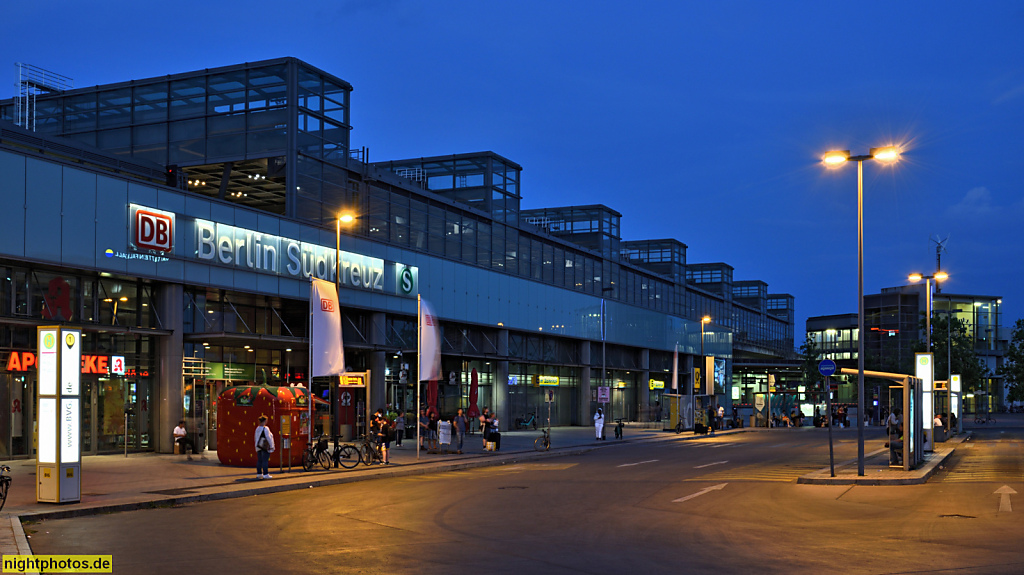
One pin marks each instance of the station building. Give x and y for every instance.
(177, 220)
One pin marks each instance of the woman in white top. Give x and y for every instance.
(264, 447)
(599, 422)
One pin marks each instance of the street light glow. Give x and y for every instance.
(836, 158)
(705, 319)
(886, 154)
(915, 277)
(940, 276)
(346, 218)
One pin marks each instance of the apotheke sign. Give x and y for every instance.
(223, 244)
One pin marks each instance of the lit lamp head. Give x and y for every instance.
(346, 218)
(705, 319)
(941, 276)
(886, 154)
(835, 158)
(915, 277)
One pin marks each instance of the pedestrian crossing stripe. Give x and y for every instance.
(758, 474)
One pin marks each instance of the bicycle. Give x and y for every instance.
(679, 427)
(5, 484)
(526, 421)
(369, 449)
(346, 455)
(618, 428)
(316, 452)
(543, 443)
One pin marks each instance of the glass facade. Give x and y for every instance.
(265, 147)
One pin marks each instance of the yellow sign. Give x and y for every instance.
(655, 384)
(358, 380)
(619, 384)
(547, 380)
(286, 425)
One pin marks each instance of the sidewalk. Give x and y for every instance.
(878, 472)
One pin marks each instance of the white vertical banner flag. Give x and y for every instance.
(675, 368)
(327, 355)
(430, 344)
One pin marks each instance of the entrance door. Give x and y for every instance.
(17, 395)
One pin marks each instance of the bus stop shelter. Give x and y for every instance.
(911, 447)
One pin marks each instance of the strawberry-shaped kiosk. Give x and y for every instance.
(238, 411)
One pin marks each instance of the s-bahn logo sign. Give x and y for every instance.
(152, 230)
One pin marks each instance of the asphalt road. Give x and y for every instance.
(724, 505)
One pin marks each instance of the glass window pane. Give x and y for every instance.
(115, 108)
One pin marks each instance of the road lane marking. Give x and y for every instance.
(710, 464)
(638, 463)
(718, 487)
(1004, 493)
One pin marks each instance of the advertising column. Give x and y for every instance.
(926, 372)
(58, 466)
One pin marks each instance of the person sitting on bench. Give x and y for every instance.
(182, 439)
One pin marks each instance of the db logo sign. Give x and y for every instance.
(152, 230)
(326, 305)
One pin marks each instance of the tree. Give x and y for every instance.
(960, 346)
(1013, 363)
(810, 356)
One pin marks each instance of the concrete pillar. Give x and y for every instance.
(586, 386)
(378, 338)
(167, 389)
(644, 397)
(501, 383)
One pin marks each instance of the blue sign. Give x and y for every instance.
(827, 367)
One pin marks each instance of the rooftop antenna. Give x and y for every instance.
(940, 246)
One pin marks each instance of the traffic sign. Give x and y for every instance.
(827, 367)
(604, 394)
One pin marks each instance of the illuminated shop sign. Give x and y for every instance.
(544, 380)
(153, 235)
(656, 384)
(90, 364)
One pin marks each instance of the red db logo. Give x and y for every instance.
(154, 231)
(326, 305)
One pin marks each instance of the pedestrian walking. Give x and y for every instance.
(460, 424)
(599, 423)
(264, 447)
(399, 428)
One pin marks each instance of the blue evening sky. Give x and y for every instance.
(701, 121)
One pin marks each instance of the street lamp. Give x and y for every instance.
(703, 367)
(604, 372)
(937, 276)
(835, 159)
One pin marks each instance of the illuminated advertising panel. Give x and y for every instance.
(47, 430)
(656, 384)
(70, 362)
(69, 429)
(47, 362)
(925, 372)
(955, 383)
(544, 380)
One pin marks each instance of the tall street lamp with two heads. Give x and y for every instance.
(938, 277)
(836, 159)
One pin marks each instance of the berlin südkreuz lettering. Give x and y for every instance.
(250, 250)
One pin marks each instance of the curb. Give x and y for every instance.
(920, 476)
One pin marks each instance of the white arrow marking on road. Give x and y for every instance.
(718, 487)
(710, 464)
(638, 463)
(1004, 493)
